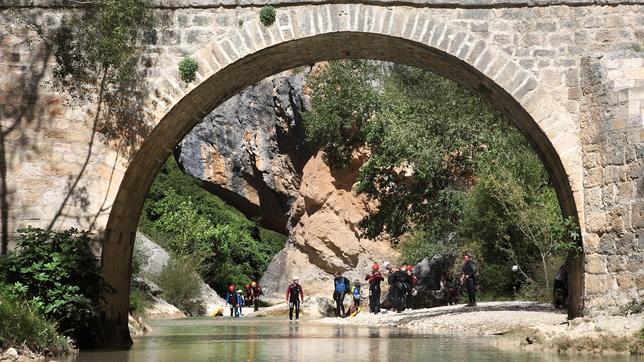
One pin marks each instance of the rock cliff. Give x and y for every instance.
(251, 152)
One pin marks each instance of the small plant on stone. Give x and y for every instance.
(188, 69)
(267, 15)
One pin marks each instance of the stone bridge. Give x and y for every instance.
(568, 73)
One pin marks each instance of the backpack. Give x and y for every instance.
(340, 286)
(356, 292)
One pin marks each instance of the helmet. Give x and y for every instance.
(231, 287)
(253, 284)
(386, 264)
(356, 282)
(247, 286)
(515, 268)
(239, 291)
(295, 277)
(375, 266)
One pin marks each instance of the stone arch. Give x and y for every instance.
(305, 35)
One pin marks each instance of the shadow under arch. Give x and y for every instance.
(195, 105)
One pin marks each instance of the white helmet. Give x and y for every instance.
(515, 268)
(295, 277)
(385, 264)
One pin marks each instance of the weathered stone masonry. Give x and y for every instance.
(571, 77)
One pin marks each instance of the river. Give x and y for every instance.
(269, 339)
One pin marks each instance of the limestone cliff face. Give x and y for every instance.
(323, 233)
(251, 152)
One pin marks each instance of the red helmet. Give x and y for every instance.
(375, 266)
(231, 287)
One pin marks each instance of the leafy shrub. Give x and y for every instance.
(58, 273)
(181, 287)
(267, 15)
(224, 246)
(188, 69)
(21, 324)
(140, 300)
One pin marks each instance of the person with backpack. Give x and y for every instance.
(231, 299)
(256, 291)
(468, 278)
(294, 296)
(341, 287)
(374, 280)
(356, 293)
(240, 302)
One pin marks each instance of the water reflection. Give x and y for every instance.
(264, 339)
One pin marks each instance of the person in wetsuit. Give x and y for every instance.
(374, 280)
(231, 299)
(468, 278)
(256, 292)
(341, 286)
(294, 296)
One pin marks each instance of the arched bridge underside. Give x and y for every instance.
(579, 107)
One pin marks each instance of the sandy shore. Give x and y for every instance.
(526, 326)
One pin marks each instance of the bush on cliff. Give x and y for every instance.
(60, 277)
(181, 287)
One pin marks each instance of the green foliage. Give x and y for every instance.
(140, 300)
(444, 168)
(343, 101)
(267, 15)
(59, 275)
(190, 222)
(22, 324)
(181, 287)
(188, 69)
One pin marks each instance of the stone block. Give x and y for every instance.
(594, 177)
(596, 283)
(595, 264)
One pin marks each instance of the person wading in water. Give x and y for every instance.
(374, 280)
(294, 296)
(341, 287)
(468, 278)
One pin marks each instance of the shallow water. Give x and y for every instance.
(267, 339)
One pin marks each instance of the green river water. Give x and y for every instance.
(268, 339)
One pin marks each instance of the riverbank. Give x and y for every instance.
(526, 326)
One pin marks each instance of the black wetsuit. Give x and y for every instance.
(338, 294)
(294, 293)
(469, 270)
(397, 289)
(374, 291)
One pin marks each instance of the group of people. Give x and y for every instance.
(236, 299)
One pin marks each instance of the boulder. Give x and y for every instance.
(153, 259)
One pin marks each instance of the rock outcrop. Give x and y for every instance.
(153, 259)
(324, 237)
(251, 151)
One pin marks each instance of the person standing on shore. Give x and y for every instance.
(341, 287)
(469, 274)
(256, 292)
(374, 280)
(294, 296)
